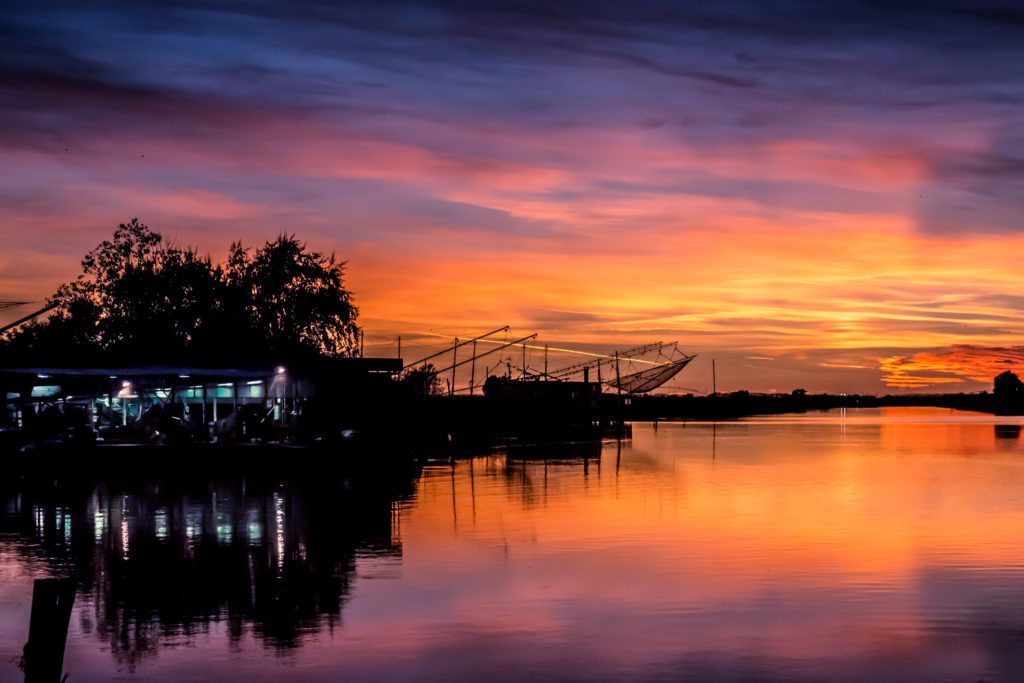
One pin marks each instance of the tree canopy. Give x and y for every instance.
(1008, 386)
(146, 300)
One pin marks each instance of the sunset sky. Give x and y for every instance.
(817, 195)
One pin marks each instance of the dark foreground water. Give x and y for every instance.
(872, 545)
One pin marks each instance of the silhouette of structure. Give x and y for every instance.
(160, 404)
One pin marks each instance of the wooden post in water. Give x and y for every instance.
(48, 629)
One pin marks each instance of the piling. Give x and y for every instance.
(52, 600)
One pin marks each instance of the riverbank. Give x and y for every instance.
(743, 404)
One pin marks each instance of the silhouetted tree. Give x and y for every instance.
(294, 299)
(422, 381)
(142, 299)
(1008, 386)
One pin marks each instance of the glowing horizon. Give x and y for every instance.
(812, 208)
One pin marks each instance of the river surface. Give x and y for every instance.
(881, 544)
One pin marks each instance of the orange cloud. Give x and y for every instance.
(961, 363)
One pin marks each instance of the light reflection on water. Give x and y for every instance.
(879, 544)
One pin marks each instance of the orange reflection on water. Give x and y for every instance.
(818, 541)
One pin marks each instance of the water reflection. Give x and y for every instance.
(871, 545)
(1007, 431)
(158, 562)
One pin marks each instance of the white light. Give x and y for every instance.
(183, 376)
(41, 376)
(254, 382)
(280, 370)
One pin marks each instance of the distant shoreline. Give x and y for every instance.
(744, 404)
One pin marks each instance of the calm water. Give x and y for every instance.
(865, 545)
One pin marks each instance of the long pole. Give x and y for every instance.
(472, 371)
(399, 347)
(545, 362)
(524, 360)
(48, 307)
(494, 350)
(440, 353)
(451, 387)
(618, 379)
(714, 385)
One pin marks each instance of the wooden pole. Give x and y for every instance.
(524, 360)
(618, 379)
(457, 344)
(472, 371)
(455, 352)
(52, 600)
(399, 347)
(545, 362)
(362, 343)
(714, 384)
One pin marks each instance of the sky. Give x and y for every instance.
(818, 195)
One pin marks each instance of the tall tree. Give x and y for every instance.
(294, 299)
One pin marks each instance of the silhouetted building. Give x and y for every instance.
(163, 401)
